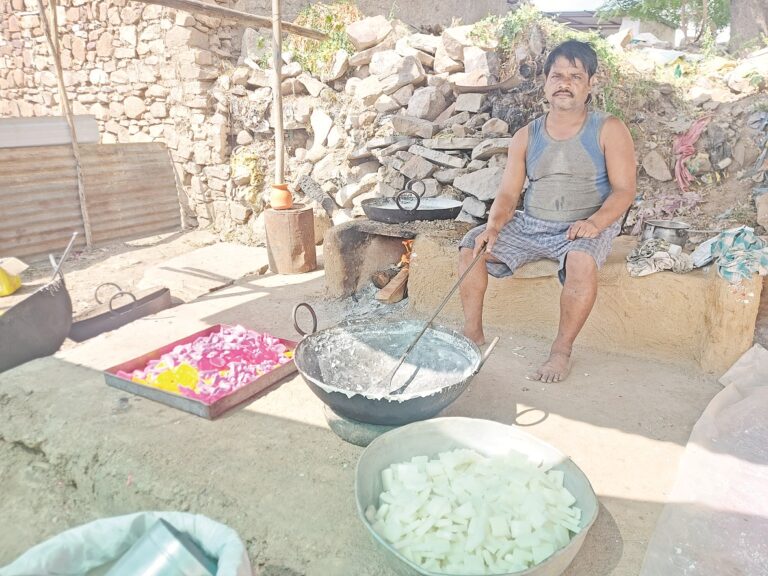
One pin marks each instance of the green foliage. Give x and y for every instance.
(669, 12)
(515, 22)
(256, 165)
(314, 55)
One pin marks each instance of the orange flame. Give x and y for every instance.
(405, 259)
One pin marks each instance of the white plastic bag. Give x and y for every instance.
(87, 547)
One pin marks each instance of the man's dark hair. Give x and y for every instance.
(573, 50)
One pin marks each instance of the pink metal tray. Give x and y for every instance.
(192, 405)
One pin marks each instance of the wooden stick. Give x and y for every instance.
(52, 36)
(277, 93)
(221, 12)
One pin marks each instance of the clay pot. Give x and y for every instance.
(280, 198)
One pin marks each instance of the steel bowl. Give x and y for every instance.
(673, 231)
(486, 437)
(164, 551)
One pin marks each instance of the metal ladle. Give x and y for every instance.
(385, 385)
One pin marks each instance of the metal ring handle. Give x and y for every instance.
(100, 286)
(296, 320)
(121, 293)
(398, 200)
(411, 183)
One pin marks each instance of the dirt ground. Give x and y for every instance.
(73, 449)
(121, 262)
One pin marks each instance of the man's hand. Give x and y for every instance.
(488, 237)
(583, 229)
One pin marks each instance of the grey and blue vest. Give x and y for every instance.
(567, 179)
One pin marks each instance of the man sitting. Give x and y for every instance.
(580, 166)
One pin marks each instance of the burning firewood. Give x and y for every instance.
(382, 277)
(395, 290)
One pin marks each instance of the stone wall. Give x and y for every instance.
(145, 72)
(416, 13)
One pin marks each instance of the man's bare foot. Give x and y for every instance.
(555, 369)
(476, 336)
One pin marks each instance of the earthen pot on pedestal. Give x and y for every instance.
(280, 197)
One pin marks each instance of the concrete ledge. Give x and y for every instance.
(675, 316)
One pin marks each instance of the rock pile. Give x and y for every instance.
(390, 114)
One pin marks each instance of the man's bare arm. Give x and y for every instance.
(503, 207)
(622, 172)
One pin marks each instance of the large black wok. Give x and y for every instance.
(409, 205)
(340, 364)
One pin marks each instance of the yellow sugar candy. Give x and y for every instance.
(167, 381)
(187, 376)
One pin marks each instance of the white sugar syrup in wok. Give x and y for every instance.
(352, 359)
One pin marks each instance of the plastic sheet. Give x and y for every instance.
(716, 520)
(88, 547)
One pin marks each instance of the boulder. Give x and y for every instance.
(427, 103)
(481, 61)
(321, 125)
(474, 207)
(448, 175)
(404, 49)
(444, 63)
(656, 167)
(368, 32)
(495, 126)
(338, 67)
(470, 102)
(386, 104)
(424, 42)
(491, 147)
(364, 58)
(409, 71)
(452, 143)
(409, 126)
(403, 95)
(437, 157)
(385, 63)
(369, 90)
(417, 168)
(482, 184)
(455, 39)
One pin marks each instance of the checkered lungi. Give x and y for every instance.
(526, 239)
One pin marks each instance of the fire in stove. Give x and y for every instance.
(405, 259)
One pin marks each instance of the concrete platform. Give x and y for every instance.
(695, 316)
(73, 449)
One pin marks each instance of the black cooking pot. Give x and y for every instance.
(341, 363)
(410, 205)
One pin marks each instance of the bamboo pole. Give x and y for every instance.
(277, 95)
(221, 12)
(52, 37)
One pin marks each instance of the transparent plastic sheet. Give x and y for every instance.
(88, 547)
(715, 522)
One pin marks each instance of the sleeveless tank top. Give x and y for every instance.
(567, 179)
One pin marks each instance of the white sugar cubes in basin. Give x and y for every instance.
(467, 496)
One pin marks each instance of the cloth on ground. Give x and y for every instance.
(526, 239)
(683, 149)
(656, 255)
(715, 521)
(739, 254)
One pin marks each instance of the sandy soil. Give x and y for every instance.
(73, 449)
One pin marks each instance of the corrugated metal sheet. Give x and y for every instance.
(130, 191)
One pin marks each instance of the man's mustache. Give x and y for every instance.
(568, 92)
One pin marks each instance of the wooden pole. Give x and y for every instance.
(277, 95)
(221, 12)
(52, 37)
